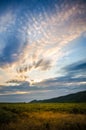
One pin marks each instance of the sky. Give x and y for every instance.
(42, 49)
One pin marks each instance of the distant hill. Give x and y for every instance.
(73, 98)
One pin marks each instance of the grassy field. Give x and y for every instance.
(43, 116)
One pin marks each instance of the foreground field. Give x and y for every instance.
(60, 116)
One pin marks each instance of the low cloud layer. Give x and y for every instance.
(62, 85)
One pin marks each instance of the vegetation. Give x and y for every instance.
(43, 116)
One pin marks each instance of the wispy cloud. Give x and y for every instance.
(44, 36)
(7, 20)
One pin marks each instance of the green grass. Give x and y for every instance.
(43, 116)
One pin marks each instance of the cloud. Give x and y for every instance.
(15, 87)
(77, 66)
(44, 39)
(48, 88)
(74, 75)
(76, 69)
(6, 20)
(42, 64)
(17, 82)
(38, 39)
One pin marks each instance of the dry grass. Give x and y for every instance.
(47, 121)
(41, 119)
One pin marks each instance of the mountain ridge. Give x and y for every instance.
(74, 97)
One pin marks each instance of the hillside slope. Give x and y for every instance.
(75, 97)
